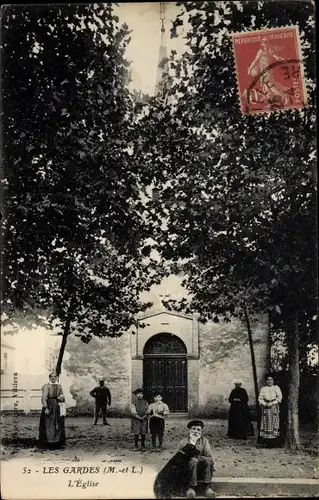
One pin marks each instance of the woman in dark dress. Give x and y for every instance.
(52, 425)
(239, 419)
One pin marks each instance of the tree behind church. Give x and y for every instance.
(73, 226)
(238, 192)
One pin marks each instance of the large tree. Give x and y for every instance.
(236, 191)
(74, 231)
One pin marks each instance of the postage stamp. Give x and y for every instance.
(269, 70)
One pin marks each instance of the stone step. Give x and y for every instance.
(180, 415)
(265, 487)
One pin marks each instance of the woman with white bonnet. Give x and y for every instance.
(239, 418)
(52, 425)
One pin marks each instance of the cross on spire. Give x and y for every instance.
(162, 17)
(162, 66)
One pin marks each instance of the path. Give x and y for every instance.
(113, 444)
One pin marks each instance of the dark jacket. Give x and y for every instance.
(101, 395)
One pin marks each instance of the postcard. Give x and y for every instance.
(159, 253)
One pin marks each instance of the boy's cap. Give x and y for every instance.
(138, 391)
(197, 423)
(158, 393)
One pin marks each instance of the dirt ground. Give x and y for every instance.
(233, 458)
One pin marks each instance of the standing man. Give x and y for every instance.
(102, 397)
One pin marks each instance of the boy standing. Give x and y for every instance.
(158, 412)
(139, 422)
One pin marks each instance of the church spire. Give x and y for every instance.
(162, 65)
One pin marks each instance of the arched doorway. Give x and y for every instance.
(165, 369)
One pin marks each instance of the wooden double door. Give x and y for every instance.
(167, 374)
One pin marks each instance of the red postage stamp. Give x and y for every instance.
(269, 70)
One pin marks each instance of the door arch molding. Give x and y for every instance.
(164, 344)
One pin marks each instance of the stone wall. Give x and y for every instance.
(193, 387)
(107, 358)
(225, 356)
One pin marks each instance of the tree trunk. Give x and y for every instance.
(292, 334)
(253, 360)
(66, 332)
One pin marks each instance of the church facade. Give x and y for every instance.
(193, 364)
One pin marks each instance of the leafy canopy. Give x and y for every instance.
(74, 230)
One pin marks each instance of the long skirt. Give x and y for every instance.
(52, 427)
(270, 422)
(239, 421)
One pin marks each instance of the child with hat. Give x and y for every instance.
(158, 412)
(139, 419)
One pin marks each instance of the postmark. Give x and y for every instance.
(269, 70)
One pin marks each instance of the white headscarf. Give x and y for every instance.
(238, 381)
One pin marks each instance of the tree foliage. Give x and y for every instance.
(74, 234)
(237, 192)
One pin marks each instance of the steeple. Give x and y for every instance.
(162, 66)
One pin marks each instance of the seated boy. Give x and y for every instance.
(200, 469)
(158, 411)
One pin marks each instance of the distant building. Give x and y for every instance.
(7, 358)
(25, 367)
